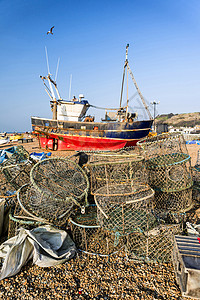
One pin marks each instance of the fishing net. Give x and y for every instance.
(154, 245)
(44, 207)
(90, 237)
(110, 169)
(60, 179)
(170, 172)
(175, 201)
(124, 208)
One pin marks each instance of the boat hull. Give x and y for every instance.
(57, 135)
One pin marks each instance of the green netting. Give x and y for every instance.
(125, 208)
(178, 201)
(170, 173)
(154, 245)
(90, 237)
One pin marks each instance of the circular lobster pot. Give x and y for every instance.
(178, 201)
(162, 144)
(43, 207)
(170, 172)
(90, 237)
(60, 179)
(115, 168)
(124, 208)
(18, 174)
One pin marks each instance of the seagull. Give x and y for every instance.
(50, 31)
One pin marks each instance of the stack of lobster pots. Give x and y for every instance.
(169, 172)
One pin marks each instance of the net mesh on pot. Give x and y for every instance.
(196, 172)
(153, 245)
(90, 237)
(178, 201)
(18, 174)
(170, 172)
(125, 208)
(60, 179)
(7, 191)
(44, 207)
(115, 169)
(19, 218)
(162, 144)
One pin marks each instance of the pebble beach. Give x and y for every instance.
(93, 277)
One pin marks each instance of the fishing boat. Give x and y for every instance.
(16, 136)
(71, 129)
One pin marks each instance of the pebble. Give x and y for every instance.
(89, 277)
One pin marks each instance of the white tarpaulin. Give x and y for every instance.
(46, 245)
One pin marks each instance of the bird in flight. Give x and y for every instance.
(50, 31)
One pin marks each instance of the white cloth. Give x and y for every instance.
(193, 229)
(46, 245)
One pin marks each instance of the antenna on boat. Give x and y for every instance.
(70, 86)
(57, 68)
(126, 65)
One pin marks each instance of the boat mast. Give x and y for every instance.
(126, 65)
(53, 96)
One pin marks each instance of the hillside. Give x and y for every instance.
(180, 120)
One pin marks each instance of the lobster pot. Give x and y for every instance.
(115, 168)
(19, 218)
(196, 175)
(125, 208)
(154, 245)
(179, 201)
(170, 172)
(198, 159)
(60, 179)
(94, 156)
(196, 193)
(43, 207)
(18, 174)
(90, 237)
(7, 191)
(162, 144)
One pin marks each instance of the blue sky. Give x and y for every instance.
(90, 38)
